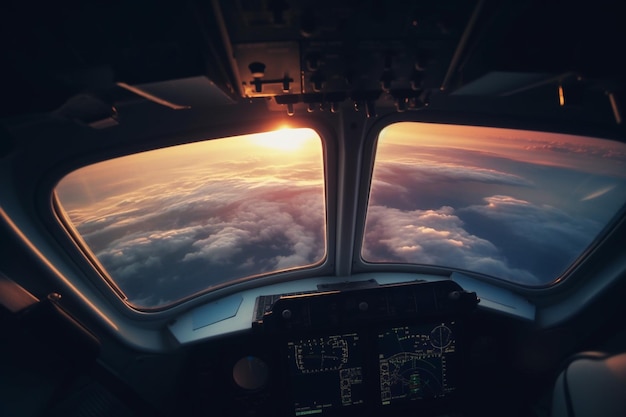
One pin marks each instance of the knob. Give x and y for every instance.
(385, 80)
(454, 295)
(286, 82)
(417, 79)
(401, 104)
(257, 69)
(317, 81)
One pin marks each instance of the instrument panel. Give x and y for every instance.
(416, 363)
(326, 373)
(371, 351)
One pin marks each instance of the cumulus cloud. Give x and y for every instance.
(291, 230)
(538, 224)
(505, 237)
(433, 237)
(161, 261)
(205, 227)
(516, 215)
(204, 224)
(221, 247)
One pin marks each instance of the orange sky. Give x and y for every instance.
(550, 149)
(285, 155)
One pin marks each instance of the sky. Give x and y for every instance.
(520, 206)
(515, 205)
(169, 223)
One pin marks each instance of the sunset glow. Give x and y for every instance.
(169, 223)
(286, 140)
(515, 205)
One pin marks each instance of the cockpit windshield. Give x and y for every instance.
(170, 223)
(516, 205)
(521, 206)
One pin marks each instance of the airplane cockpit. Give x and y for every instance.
(277, 208)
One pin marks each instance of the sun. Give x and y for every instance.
(286, 140)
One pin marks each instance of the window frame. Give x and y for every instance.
(572, 277)
(96, 275)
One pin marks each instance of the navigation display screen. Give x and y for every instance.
(326, 373)
(415, 362)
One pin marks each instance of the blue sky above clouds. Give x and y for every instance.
(520, 206)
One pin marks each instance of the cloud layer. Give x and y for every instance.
(433, 237)
(160, 256)
(164, 234)
(510, 239)
(185, 229)
(511, 219)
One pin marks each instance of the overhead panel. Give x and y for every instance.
(268, 68)
(320, 53)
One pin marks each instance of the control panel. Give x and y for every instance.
(347, 349)
(387, 348)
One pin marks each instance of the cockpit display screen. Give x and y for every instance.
(326, 373)
(415, 362)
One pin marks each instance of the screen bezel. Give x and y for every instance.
(369, 351)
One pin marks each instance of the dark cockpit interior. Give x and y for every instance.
(459, 253)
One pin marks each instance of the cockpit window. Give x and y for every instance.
(170, 223)
(517, 205)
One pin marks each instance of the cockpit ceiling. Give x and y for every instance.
(312, 54)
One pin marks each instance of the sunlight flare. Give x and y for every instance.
(285, 139)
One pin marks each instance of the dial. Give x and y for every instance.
(251, 373)
(321, 354)
(440, 336)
